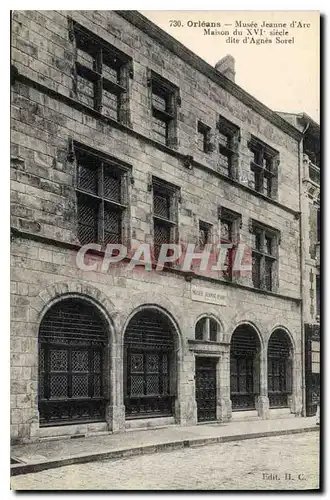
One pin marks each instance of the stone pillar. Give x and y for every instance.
(262, 402)
(115, 411)
(185, 404)
(223, 387)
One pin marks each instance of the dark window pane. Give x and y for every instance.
(268, 245)
(112, 225)
(200, 329)
(268, 274)
(213, 330)
(226, 230)
(87, 220)
(162, 235)
(87, 175)
(257, 241)
(256, 275)
(112, 185)
(162, 205)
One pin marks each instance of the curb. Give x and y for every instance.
(22, 468)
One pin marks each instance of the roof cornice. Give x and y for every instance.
(196, 62)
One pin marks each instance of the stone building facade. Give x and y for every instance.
(311, 259)
(121, 134)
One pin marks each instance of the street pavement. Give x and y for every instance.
(287, 462)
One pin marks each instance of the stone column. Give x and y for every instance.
(185, 405)
(223, 387)
(262, 402)
(115, 412)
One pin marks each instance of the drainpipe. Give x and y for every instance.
(302, 268)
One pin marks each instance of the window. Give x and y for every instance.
(264, 257)
(72, 340)
(203, 138)
(264, 168)
(229, 226)
(207, 329)
(228, 138)
(101, 73)
(205, 234)
(165, 201)
(149, 365)
(164, 102)
(102, 198)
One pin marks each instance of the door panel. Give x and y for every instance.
(206, 396)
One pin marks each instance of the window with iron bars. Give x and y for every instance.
(101, 188)
(164, 98)
(229, 228)
(165, 200)
(228, 139)
(101, 74)
(264, 168)
(264, 257)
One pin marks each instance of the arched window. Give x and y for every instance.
(244, 368)
(207, 329)
(149, 365)
(72, 337)
(279, 369)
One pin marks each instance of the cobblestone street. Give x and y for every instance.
(282, 462)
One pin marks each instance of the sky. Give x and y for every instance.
(284, 76)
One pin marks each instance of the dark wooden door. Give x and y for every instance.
(206, 391)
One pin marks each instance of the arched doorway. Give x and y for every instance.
(72, 339)
(279, 369)
(149, 365)
(244, 368)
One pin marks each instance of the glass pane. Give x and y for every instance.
(200, 329)
(213, 330)
(58, 360)
(97, 385)
(112, 186)
(112, 225)
(162, 205)
(165, 363)
(268, 274)
(256, 271)
(226, 230)
(79, 361)
(136, 363)
(79, 385)
(58, 386)
(136, 385)
(153, 384)
(152, 363)
(96, 361)
(87, 178)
